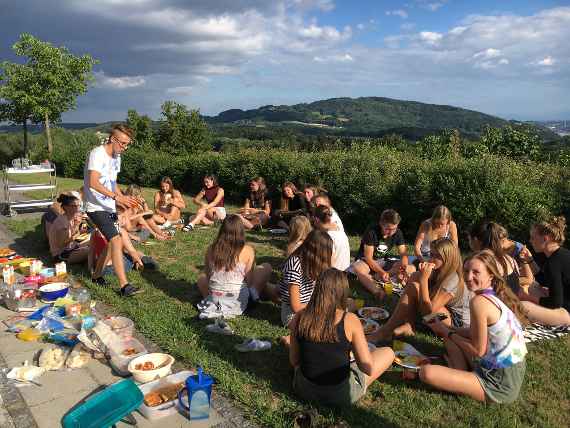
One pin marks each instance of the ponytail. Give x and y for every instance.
(555, 228)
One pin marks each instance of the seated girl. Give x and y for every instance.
(299, 229)
(322, 338)
(341, 245)
(211, 202)
(440, 225)
(291, 204)
(65, 230)
(322, 199)
(138, 220)
(487, 360)
(436, 289)
(489, 236)
(300, 272)
(257, 207)
(552, 271)
(168, 203)
(231, 279)
(379, 240)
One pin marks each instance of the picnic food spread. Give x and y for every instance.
(163, 395)
(147, 365)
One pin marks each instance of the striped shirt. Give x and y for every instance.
(293, 274)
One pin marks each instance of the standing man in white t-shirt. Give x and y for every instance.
(102, 194)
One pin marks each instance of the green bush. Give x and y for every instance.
(364, 181)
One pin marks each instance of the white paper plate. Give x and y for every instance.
(278, 231)
(374, 313)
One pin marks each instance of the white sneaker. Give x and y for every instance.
(165, 225)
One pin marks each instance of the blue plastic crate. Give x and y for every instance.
(107, 407)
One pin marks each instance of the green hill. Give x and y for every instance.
(363, 116)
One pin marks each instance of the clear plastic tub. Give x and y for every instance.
(117, 350)
(121, 326)
(168, 408)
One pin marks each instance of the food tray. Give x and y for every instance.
(165, 409)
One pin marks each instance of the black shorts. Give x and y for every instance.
(106, 222)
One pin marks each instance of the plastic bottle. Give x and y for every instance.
(84, 299)
(199, 405)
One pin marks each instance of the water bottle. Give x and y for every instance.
(199, 391)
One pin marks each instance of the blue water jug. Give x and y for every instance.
(199, 391)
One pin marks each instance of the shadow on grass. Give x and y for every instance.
(181, 290)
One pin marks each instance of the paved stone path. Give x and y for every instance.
(44, 407)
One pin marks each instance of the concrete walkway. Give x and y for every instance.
(34, 406)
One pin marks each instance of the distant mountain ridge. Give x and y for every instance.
(365, 115)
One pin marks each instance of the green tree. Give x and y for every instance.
(142, 127)
(183, 131)
(519, 142)
(46, 86)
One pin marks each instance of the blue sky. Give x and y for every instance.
(508, 58)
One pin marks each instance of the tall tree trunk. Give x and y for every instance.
(48, 135)
(25, 126)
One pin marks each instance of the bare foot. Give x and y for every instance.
(404, 330)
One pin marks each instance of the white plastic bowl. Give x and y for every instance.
(163, 361)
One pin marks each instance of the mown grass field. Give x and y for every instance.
(260, 383)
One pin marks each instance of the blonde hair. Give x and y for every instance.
(502, 290)
(299, 229)
(133, 190)
(555, 228)
(440, 213)
(451, 258)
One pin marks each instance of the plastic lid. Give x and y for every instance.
(201, 380)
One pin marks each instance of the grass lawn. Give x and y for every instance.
(261, 382)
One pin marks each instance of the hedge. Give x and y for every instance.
(364, 181)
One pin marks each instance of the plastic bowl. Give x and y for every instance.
(47, 272)
(162, 361)
(53, 291)
(121, 326)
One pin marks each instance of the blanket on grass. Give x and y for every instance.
(535, 332)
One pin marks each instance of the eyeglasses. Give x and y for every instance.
(123, 144)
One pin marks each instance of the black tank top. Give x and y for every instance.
(513, 279)
(326, 363)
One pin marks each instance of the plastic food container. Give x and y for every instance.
(163, 362)
(168, 408)
(52, 292)
(117, 349)
(24, 268)
(121, 326)
(47, 272)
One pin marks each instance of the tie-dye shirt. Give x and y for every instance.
(506, 345)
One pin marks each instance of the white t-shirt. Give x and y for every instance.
(336, 220)
(341, 250)
(109, 168)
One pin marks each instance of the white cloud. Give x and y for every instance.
(408, 26)
(546, 62)
(334, 58)
(434, 6)
(503, 61)
(360, 26)
(324, 5)
(398, 12)
(488, 54)
(123, 82)
(181, 90)
(430, 37)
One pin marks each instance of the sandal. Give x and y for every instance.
(253, 345)
(188, 228)
(220, 327)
